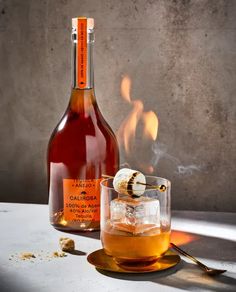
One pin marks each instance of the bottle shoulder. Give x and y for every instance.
(77, 140)
(75, 126)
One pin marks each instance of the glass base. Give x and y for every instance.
(137, 264)
(105, 262)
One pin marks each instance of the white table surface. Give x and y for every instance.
(25, 228)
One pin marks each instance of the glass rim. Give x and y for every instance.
(168, 183)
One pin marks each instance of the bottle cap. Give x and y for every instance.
(90, 22)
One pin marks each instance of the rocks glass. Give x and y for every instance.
(135, 231)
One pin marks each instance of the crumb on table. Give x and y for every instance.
(57, 254)
(27, 255)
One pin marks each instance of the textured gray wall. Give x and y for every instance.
(181, 57)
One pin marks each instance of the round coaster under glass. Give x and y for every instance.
(102, 261)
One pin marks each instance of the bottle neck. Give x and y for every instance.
(82, 101)
(82, 56)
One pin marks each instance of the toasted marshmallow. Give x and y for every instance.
(127, 182)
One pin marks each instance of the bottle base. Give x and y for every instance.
(70, 229)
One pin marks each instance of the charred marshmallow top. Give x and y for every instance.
(129, 182)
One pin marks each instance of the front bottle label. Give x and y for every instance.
(81, 199)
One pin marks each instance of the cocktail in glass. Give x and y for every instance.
(135, 230)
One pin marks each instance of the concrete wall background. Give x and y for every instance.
(181, 56)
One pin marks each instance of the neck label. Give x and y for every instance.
(81, 53)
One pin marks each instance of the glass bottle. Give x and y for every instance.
(82, 147)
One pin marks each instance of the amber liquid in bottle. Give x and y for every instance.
(82, 146)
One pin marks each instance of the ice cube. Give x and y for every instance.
(135, 215)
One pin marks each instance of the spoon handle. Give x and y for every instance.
(204, 267)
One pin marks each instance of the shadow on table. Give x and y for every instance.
(77, 252)
(13, 283)
(184, 276)
(211, 248)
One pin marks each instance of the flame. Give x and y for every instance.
(125, 88)
(150, 124)
(128, 127)
(127, 131)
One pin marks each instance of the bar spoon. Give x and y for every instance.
(209, 271)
